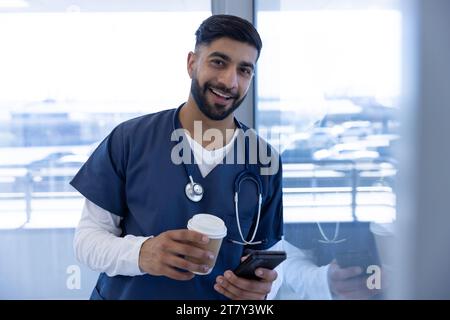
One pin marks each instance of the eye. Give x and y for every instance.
(247, 71)
(218, 63)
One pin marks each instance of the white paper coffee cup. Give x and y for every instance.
(214, 228)
(384, 240)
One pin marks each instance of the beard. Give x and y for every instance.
(215, 111)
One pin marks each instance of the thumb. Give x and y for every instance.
(337, 273)
(244, 257)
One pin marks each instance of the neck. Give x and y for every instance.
(190, 113)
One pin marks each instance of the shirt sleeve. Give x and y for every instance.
(302, 278)
(97, 243)
(102, 178)
(276, 285)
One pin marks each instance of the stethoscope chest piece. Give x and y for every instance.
(194, 191)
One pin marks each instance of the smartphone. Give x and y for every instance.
(259, 259)
(361, 259)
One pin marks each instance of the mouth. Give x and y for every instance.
(221, 95)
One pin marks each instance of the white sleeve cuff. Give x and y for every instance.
(130, 260)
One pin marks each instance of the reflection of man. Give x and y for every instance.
(304, 279)
(349, 283)
(133, 227)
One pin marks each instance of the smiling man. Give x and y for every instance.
(227, 66)
(138, 203)
(221, 69)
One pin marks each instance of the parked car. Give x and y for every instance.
(346, 151)
(54, 172)
(50, 160)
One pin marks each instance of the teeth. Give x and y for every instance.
(221, 94)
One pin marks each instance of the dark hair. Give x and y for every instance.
(223, 25)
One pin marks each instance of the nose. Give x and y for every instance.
(229, 78)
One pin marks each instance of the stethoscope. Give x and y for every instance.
(194, 191)
(327, 240)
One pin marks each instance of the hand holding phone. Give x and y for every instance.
(361, 259)
(259, 259)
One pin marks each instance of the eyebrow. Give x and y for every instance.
(228, 59)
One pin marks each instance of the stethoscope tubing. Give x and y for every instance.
(194, 191)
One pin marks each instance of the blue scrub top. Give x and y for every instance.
(131, 175)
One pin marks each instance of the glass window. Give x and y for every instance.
(327, 97)
(69, 74)
(67, 79)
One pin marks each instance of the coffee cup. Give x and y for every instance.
(215, 229)
(384, 240)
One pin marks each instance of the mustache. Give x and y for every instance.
(230, 92)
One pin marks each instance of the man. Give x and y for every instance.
(140, 196)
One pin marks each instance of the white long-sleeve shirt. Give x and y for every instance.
(97, 244)
(302, 278)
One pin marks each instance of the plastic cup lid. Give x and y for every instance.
(208, 224)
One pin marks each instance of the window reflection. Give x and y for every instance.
(328, 92)
(329, 102)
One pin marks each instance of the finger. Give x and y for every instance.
(235, 292)
(188, 235)
(352, 284)
(255, 286)
(178, 262)
(225, 292)
(243, 258)
(176, 275)
(362, 294)
(191, 251)
(266, 275)
(337, 273)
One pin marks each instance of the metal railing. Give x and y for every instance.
(356, 179)
(318, 179)
(29, 184)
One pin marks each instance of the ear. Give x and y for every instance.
(191, 59)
